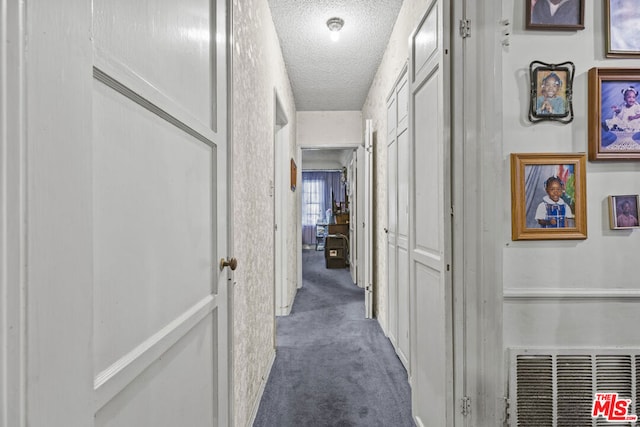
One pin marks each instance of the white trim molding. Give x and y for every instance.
(627, 295)
(263, 385)
(116, 377)
(12, 214)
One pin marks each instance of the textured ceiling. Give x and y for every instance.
(327, 75)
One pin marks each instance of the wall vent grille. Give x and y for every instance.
(556, 387)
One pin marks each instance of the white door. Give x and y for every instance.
(430, 221)
(398, 219)
(125, 299)
(367, 223)
(392, 223)
(353, 217)
(404, 311)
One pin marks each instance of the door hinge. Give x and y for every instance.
(505, 419)
(465, 28)
(466, 406)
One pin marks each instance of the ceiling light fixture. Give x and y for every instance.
(335, 25)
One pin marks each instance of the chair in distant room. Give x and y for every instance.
(321, 236)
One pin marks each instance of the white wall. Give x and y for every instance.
(329, 128)
(258, 70)
(558, 293)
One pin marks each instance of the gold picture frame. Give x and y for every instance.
(536, 180)
(614, 126)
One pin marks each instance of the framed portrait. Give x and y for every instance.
(551, 91)
(614, 113)
(554, 15)
(622, 21)
(623, 211)
(548, 196)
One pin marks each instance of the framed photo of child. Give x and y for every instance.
(622, 20)
(614, 113)
(551, 91)
(554, 15)
(623, 211)
(548, 196)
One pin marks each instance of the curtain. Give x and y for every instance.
(317, 189)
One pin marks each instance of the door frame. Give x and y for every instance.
(477, 275)
(280, 205)
(299, 150)
(12, 213)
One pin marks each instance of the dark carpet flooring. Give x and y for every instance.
(333, 367)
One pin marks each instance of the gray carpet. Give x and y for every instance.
(333, 367)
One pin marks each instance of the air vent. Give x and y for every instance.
(556, 387)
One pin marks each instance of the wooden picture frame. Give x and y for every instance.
(622, 36)
(614, 126)
(551, 91)
(568, 17)
(537, 179)
(623, 211)
(294, 175)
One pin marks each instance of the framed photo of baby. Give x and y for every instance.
(623, 211)
(548, 196)
(551, 91)
(614, 113)
(555, 15)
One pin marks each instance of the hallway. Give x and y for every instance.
(333, 367)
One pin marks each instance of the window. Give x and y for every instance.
(312, 202)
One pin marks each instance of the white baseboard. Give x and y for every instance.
(263, 385)
(285, 311)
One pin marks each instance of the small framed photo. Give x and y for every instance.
(623, 211)
(548, 196)
(551, 91)
(555, 15)
(614, 113)
(622, 21)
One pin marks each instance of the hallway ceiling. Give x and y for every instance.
(327, 75)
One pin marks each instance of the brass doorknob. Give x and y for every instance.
(232, 263)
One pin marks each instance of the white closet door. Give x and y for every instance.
(402, 235)
(392, 225)
(430, 228)
(126, 304)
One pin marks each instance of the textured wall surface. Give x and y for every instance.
(258, 70)
(375, 108)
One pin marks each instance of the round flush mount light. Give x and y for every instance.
(335, 24)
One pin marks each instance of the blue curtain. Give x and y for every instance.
(317, 190)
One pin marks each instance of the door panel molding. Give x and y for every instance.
(120, 374)
(146, 33)
(150, 99)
